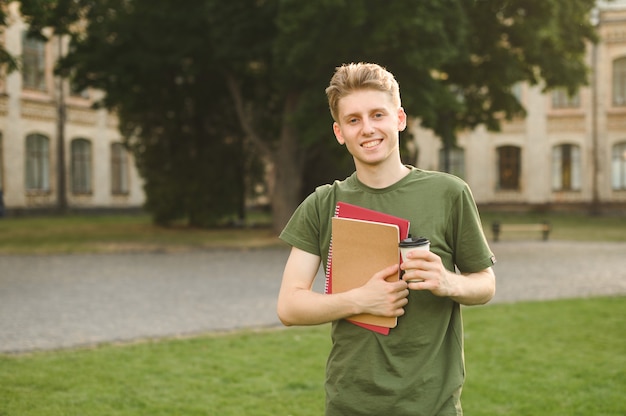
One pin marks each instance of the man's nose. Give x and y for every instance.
(368, 128)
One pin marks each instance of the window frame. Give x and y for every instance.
(33, 63)
(566, 167)
(618, 166)
(81, 154)
(37, 154)
(120, 179)
(619, 82)
(509, 158)
(561, 99)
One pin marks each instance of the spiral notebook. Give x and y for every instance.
(363, 242)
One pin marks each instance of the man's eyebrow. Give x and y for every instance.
(373, 110)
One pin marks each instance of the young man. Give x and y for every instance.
(417, 369)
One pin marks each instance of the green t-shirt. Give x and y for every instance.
(417, 369)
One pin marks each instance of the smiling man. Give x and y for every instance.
(418, 369)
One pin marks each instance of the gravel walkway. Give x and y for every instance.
(61, 301)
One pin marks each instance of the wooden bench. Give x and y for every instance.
(498, 228)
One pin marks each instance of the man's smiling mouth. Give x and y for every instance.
(372, 143)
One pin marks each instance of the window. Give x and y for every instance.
(566, 167)
(561, 99)
(81, 166)
(619, 82)
(34, 63)
(37, 163)
(457, 161)
(618, 166)
(509, 167)
(119, 169)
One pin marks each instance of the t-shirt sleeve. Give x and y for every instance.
(472, 252)
(303, 229)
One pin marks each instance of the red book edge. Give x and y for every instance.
(346, 210)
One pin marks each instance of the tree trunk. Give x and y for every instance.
(287, 171)
(61, 117)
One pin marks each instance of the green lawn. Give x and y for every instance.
(109, 233)
(573, 227)
(541, 358)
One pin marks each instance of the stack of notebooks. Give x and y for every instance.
(363, 242)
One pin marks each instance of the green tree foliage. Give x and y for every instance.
(155, 62)
(196, 83)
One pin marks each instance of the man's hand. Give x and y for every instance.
(380, 297)
(429, 273)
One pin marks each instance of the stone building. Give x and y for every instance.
(567, 153)
(99, 172)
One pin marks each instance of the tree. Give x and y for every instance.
(310, 40)
(456, 61)
(256, 70)
(154, 61)
(507, 42)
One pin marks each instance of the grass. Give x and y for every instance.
(572, 227)
(540, 358)
(114, 233)
(108, 233)
(552, 358)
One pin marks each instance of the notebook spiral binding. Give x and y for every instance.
(327, 282)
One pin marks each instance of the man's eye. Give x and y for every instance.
(378, 115)
(353, 120)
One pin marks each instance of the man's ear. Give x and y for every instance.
(401, 119)
(337, 131)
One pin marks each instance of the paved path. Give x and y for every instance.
(60, 301)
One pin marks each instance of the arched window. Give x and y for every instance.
(119, 169)
(37, 163)
(618, 166)
(566, 167)
(619, 82)
(509, 167)
(81, 166)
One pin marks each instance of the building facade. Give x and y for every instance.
(568, 152)
(99, 173)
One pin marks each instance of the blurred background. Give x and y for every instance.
(206, 114)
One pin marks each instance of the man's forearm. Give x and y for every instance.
(305, 307)
(475, 288)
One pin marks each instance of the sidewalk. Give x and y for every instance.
(60, 301)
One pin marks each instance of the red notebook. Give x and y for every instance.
(349, 211)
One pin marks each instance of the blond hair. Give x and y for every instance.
(352, 77)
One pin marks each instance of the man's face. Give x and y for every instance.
(368, 124)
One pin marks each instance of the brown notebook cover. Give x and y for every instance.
(360, 249)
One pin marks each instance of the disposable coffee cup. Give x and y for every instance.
(413, 243)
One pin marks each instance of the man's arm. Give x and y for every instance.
(466, 288)
(298, 304)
